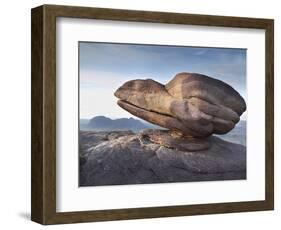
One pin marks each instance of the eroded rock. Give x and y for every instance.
(174, 140)
(127, 158)
(193, 104)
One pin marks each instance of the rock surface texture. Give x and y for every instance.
(122, 157)
(192, 104)
(191, 107)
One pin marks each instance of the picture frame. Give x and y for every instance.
(44, 122)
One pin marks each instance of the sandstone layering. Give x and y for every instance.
(192, 106)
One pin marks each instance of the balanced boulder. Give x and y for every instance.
(192, 104)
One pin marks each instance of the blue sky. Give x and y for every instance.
(106, 66)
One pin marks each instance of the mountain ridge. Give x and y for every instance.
(103, 123)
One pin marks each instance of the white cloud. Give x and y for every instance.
(97, 93)
(108, 80)
(100, 102)
(201, 51)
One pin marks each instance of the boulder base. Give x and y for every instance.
(176, 140)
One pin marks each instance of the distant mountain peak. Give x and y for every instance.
(103, 123)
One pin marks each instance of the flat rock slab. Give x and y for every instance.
(115, 158)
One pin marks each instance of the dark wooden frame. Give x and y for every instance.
(43, 188)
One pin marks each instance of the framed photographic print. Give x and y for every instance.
(140, 114)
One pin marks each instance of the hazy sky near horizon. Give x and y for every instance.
(106, 66)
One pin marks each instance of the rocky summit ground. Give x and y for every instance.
(123, 157)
